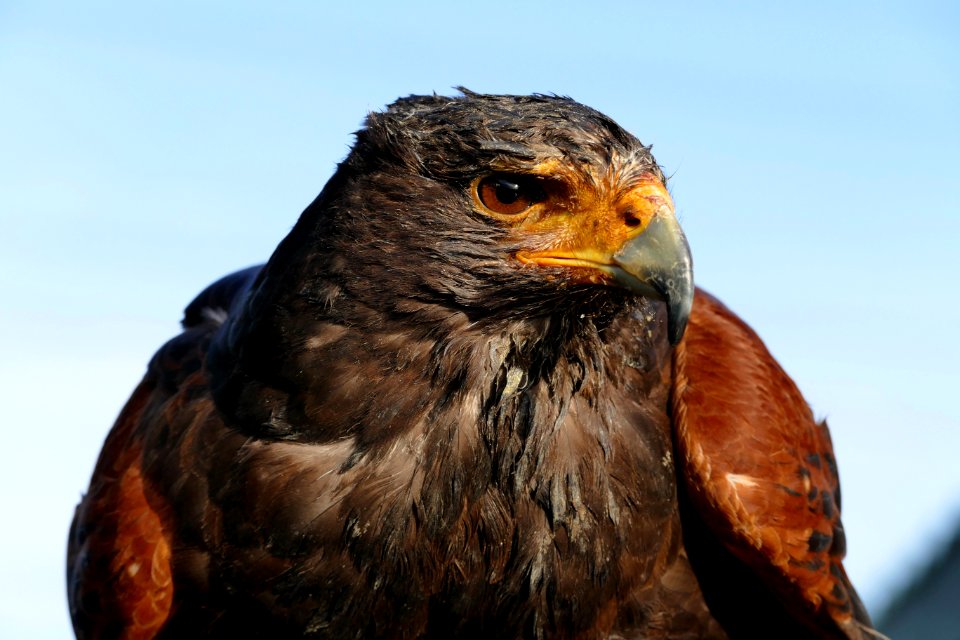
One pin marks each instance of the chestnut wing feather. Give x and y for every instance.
(119, 557)
(119, 577)
(759, 472)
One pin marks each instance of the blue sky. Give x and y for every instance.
(145, 151)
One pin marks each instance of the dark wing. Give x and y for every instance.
(119, 575)
(759, 488)
(119, 566)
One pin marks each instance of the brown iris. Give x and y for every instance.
(508, 194)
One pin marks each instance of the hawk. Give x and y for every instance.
(474, 393)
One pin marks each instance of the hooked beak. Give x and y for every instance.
(658, 263)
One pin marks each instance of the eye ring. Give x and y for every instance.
(505, 194)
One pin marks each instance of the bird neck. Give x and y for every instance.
(332, 367)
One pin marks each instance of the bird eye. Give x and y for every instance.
(509, 194)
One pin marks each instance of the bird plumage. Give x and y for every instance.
(399, 428)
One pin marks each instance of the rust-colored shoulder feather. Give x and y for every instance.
(121, 552)
(758, 474)
(118, 563)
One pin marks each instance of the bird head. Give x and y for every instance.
(530, 219)
(502, 204)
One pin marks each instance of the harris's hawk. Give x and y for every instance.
(473, 393)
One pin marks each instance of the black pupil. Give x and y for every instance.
(507, 192)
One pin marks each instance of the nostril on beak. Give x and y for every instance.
(631, 219)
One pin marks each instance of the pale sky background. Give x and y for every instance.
(145, 151)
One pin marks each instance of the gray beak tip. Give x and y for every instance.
(658, 262)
